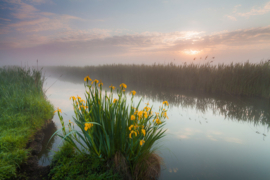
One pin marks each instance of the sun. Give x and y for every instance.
(191, 52)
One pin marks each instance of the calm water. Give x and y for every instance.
(207, 137)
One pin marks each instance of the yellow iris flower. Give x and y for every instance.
(145, 114)
(165, 115)
(146, 108)
(72, 97)
(142, 142)
(81, 100)
(130, 127)
(123, 85)
(166, 103)
(133, 93)
(87, 78)
(115, 100)
(143, 131)
(58, 110)
(132, 132)
(111, 86)
(88, 126)
(100, 84)
(96, 81)
(132, 117)
(158, 121)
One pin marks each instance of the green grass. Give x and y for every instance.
(241, 79)
(23, 110)
(70, 165)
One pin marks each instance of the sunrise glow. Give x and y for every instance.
(191, 52)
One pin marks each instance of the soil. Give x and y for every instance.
(30, 170)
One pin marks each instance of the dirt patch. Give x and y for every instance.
(30, 169)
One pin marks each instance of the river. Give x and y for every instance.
(208, 137)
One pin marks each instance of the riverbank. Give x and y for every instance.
(24, 112)
(30, 169)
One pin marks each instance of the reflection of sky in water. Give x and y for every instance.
(197, 145)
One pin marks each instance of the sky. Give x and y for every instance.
(93, 32)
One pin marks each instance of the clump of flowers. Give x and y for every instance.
(109, 126)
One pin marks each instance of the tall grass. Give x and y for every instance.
(23, 110)
(242, 79)
(116, 132)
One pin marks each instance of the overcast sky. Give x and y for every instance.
(87, 32)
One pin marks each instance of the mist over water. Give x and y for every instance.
(208, 136)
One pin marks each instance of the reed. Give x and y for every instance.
(23, 110)
(240, 79)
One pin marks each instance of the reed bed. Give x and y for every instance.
(251, 109)
(240, 79)
(23, 110)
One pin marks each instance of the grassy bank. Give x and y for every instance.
(243, 79)
(69, 164)
(23, 110)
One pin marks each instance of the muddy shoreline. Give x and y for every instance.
(30, 169)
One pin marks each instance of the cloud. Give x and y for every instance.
(242, 38)
(23, 10)
(40, 1)
(234, 140)
(187, 133)
(34, 20)
(54, 22)
(231, 18)
(102, 42)
(5, 19)
(257, 11)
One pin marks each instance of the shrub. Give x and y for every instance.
(113, 131)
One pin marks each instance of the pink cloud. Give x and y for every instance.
(54, 22)
(33, 20)
(24, 11)
(102, 40)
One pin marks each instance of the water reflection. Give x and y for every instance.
(45, 155)
(253, 110)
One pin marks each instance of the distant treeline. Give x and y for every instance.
(243, 79)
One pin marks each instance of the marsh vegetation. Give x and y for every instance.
(241, 79)
(24, 110)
